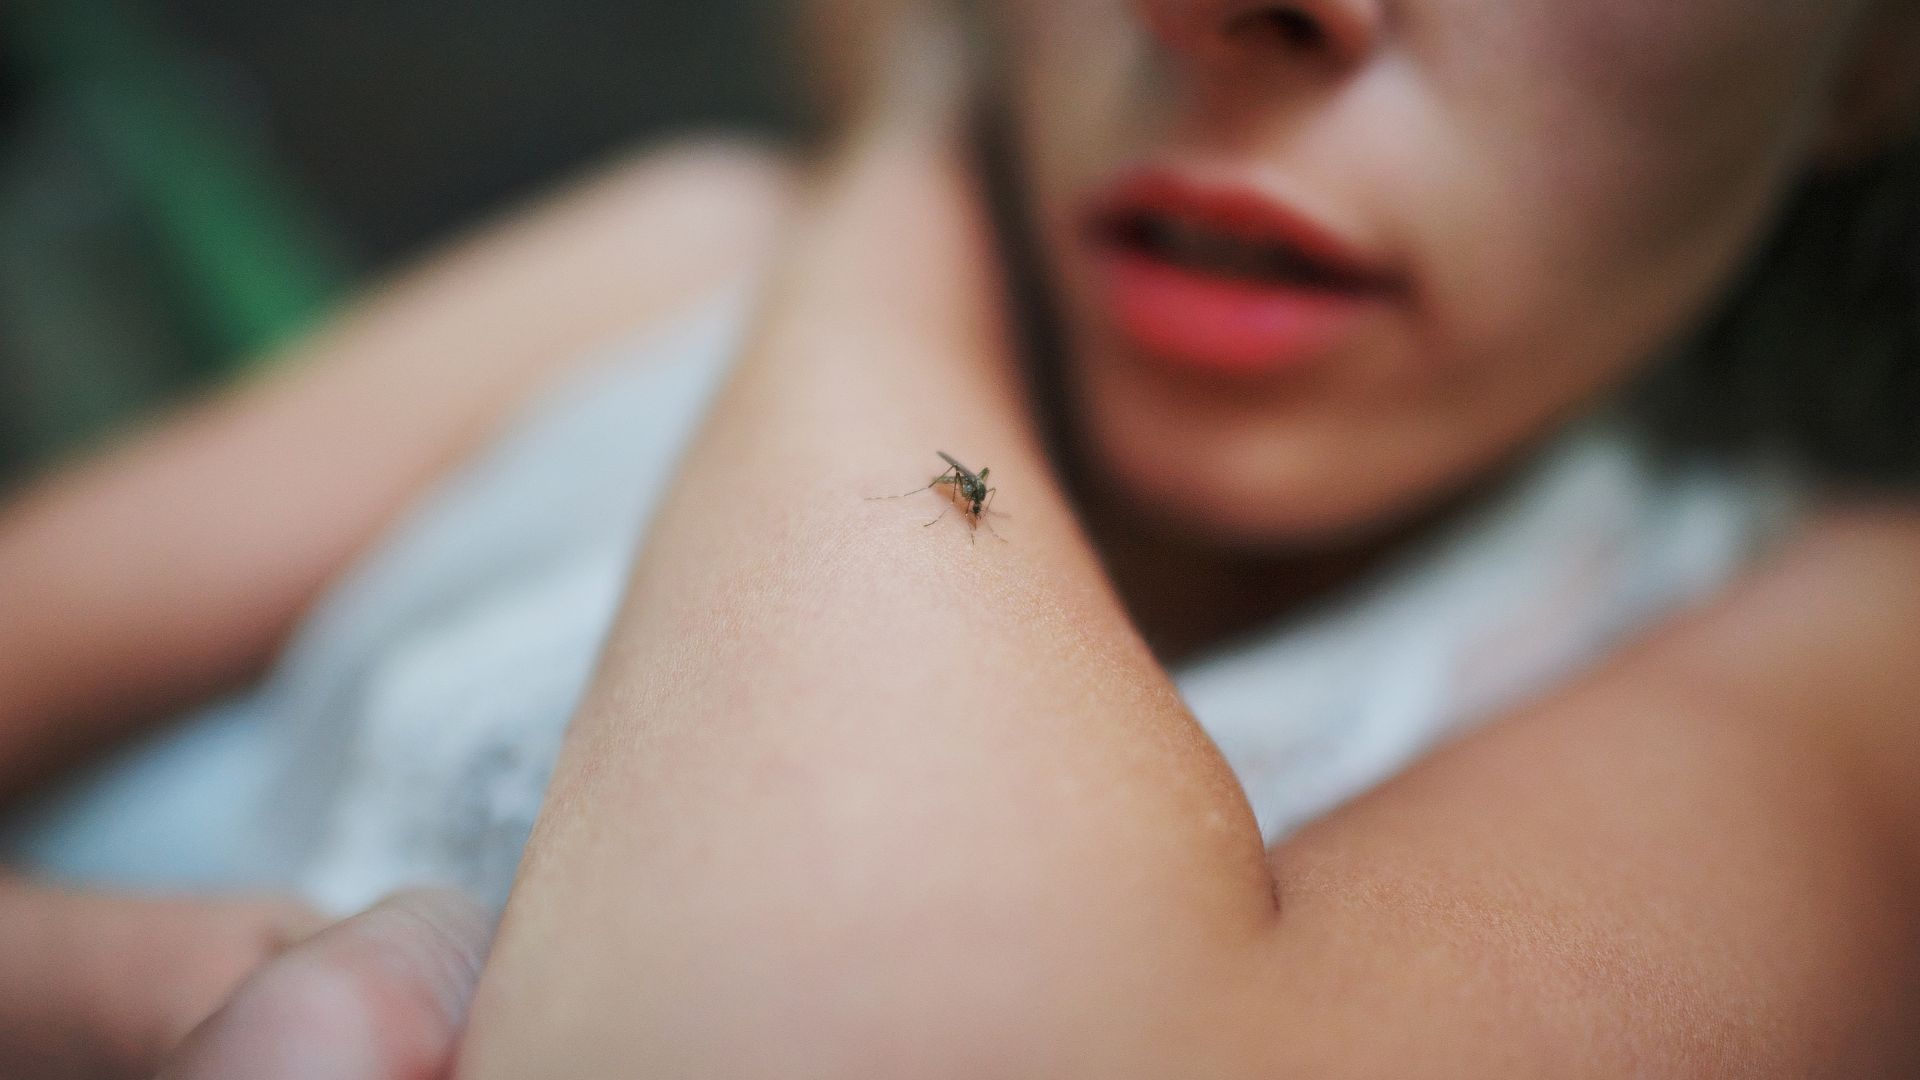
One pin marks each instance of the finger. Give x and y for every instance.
(102, 984)
(381, 996)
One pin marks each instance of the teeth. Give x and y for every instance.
(1193, 245)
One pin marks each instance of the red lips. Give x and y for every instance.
(1226, 280)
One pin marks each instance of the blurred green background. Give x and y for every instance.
(186, 183)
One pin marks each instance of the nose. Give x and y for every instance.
(1342, 32)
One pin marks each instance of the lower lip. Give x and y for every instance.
(1223, 326)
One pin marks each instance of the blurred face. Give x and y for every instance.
(1324, 263)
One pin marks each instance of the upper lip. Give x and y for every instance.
(1236, 210)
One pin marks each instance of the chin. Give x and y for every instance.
(1260, 477)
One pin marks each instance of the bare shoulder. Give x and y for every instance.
(1870, 544)
(1699, 859)
(1824, 634)
(709, 202)
(633, 241)
(428, 363)
(1826, 638)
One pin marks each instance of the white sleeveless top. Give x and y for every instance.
(407, 735)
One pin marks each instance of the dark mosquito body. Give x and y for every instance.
(969, 489)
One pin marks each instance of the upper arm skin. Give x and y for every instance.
(171, 567)
(859, 799)
(1699, 862)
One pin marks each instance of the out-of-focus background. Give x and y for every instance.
(186, 183)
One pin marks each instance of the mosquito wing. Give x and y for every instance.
(949, 459)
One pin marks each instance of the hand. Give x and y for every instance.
(100, 985)
(381, 996)
(868, 58)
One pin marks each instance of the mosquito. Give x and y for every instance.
(970, 487)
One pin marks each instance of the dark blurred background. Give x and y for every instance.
(186, 183)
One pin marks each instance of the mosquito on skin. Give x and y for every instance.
(968, 486)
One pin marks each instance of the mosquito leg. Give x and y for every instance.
(936, 520)
(988, 506)
(902, 495)
(943, 478)
(985, 507)
(994, 531)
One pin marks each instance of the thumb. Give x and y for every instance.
(381, 996)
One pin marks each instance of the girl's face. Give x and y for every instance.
(1325, 262)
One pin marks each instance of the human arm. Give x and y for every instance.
(172, 566)
(855, 798)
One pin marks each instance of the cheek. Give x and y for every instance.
(1610, 171)
(1569, 181)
